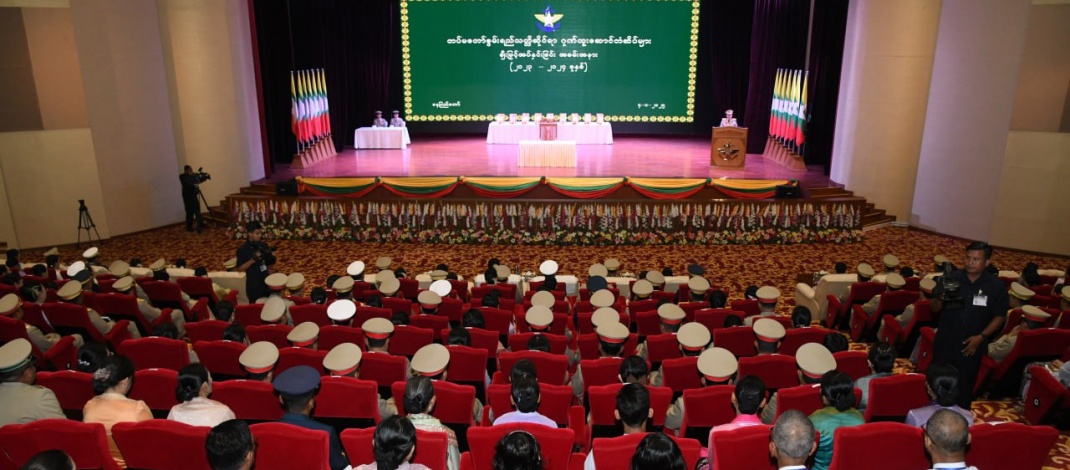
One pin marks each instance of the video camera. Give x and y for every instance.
(201, 175)
(951, 295)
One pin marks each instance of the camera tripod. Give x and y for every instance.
(85, 222)
(204, 220)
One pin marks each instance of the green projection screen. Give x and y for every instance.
(468, 60)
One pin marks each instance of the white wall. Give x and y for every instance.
(887, 63)
(212, 86)
(45, 174)
(974, 79)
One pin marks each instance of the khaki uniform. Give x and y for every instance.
(152, 313)
(44, 341)
(104, 326)
(1000, 348)
(21, 403)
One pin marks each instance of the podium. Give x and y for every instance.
(728, 147)
(547, 129)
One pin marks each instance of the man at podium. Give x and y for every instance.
(728, 120)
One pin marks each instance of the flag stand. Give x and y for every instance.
(310, 118)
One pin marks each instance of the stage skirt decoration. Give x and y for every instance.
(552, 223)
(508, 187)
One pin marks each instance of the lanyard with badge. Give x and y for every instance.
(980, 300)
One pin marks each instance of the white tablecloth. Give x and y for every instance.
(381, 138)
(546, 153)
(593, 133)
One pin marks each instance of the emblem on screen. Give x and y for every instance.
(548, 19)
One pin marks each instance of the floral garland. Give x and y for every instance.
(541, 223)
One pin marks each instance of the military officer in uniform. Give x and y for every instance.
(396, 121)
(21, 401)
(11, 307)
(718, 367)
(344, 361)
(297, 388)
(71, 293)
(259, 361)
(379, 121)
(125, 284)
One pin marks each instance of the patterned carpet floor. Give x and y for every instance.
(731, 267)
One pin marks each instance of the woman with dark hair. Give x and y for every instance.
(800, 317)
(942, 383)
(91, 356)
(419, 400)
(517, 450)
(194, 408)
(395, 444)
(54, 459)
(838, 395)
(657, 450)
(111, 382)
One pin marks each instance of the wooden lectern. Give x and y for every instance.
(728, 147)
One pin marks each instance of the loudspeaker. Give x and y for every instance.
(286, 188)
(788, 191)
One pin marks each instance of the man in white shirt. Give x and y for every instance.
(792, 440)
(728, 120)
(946, 438)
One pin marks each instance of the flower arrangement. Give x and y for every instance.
(545, 223)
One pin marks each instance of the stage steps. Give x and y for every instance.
(872, 217)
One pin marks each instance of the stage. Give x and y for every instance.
(637, 191)
(632, 156)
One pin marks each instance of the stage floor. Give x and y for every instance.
(638, 156)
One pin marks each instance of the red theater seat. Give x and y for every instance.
(162, 444)
(86, 443)
(431, 447)
(901, 447)
(285, 447)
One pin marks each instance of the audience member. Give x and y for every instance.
(946, 436)
(525, 397)
(657, 450)
(54, 459)
(21, 401)
(419, 400)
(801, 317)
(394, 443)
(942, 384)
(517, 450)
(881, 361)
(91, 356)
(111, 383)
(194, 407)
(297, 388)
(793, 440)
(748, 399)
(837, 393)
(230, 446)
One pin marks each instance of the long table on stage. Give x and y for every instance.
(593, 133)
(381, 138)
(546, 153)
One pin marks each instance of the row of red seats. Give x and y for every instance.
(283, 446)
